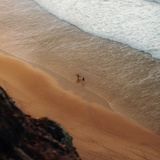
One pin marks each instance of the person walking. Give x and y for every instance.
(83, 81)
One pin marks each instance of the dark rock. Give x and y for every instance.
(25, 138)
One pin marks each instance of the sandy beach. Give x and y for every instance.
(98, 133)
(126, 78)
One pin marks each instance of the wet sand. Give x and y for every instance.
(98, 133)
(126, 77)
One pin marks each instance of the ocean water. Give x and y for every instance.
(127, 77)
(132, 22)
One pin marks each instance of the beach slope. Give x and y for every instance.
(97, 132)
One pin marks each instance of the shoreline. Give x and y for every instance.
(68, 85)
(79, 90)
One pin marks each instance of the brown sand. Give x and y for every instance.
(98, 133)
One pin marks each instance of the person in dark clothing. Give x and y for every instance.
(83, 81)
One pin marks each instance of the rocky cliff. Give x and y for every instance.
(25, 138)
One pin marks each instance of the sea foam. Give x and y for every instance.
(132, 22)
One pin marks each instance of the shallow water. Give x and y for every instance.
(129, 79)
(132, 22)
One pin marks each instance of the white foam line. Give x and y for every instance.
(132, 22)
